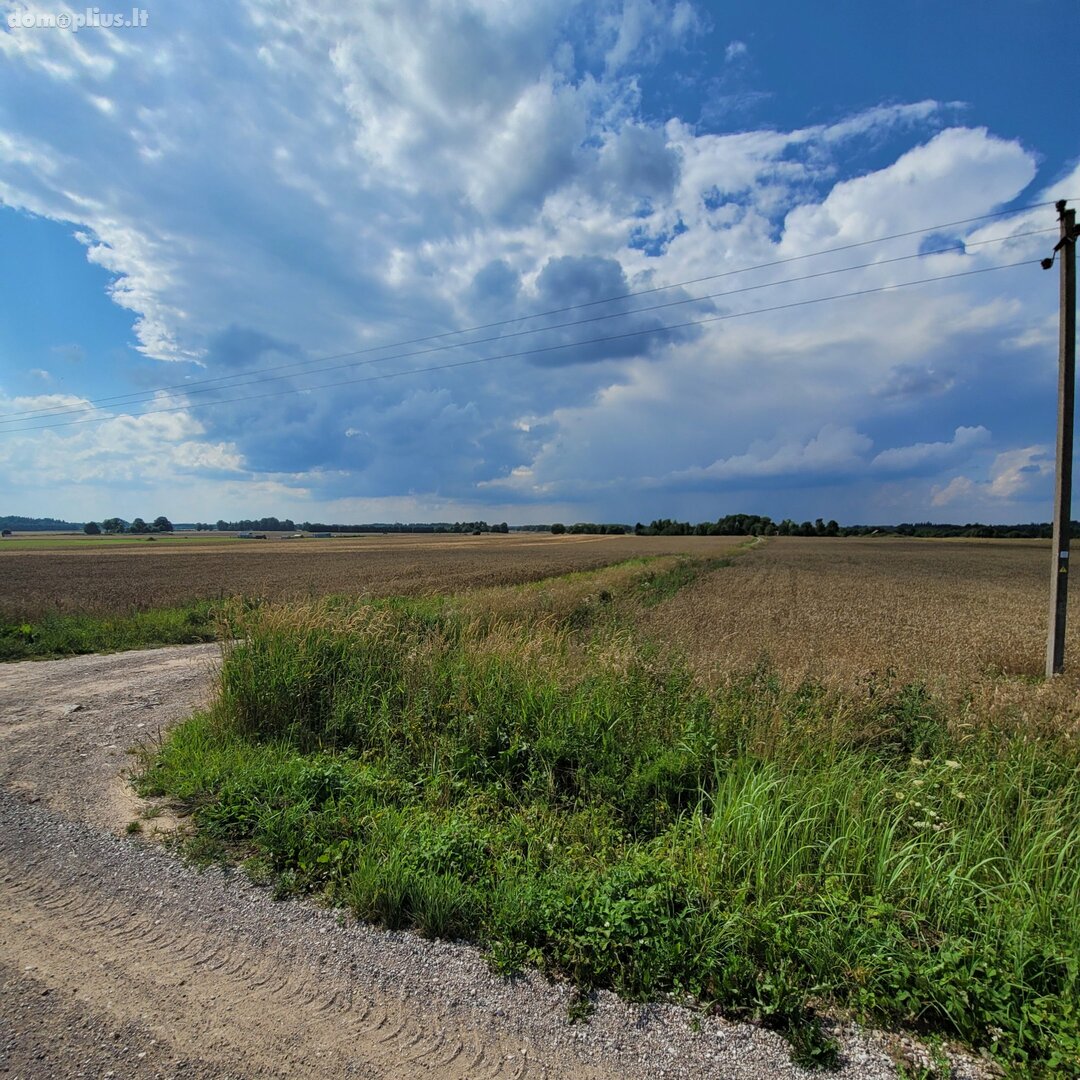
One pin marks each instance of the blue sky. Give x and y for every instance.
(196, 212)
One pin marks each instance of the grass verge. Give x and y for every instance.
(57, 634)
(570, 798)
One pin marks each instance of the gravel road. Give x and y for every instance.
(116, 959)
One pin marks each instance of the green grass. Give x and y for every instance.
(570, 799)
(58, 634)
(659, 585)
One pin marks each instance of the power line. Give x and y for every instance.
(257, 378)
(541, 350)
(139, 396)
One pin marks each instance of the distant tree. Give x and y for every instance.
(832, 528)
(162, 524)
(113, 525)
(92, 528)
(138, 526)
(558, 528)
(222, 525)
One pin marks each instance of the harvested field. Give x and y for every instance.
(103, 578)
(955, 614)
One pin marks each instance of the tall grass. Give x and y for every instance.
(69, 634)
(571, 798)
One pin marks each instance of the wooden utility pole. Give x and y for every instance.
(1059, 575)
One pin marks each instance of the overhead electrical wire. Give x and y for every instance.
(259, 377)
(191, 386)
(542, 349)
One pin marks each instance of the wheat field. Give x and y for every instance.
(968, 618)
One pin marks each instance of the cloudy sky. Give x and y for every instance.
(560, 260)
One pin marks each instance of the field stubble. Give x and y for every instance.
(102, 579)
(963, 617)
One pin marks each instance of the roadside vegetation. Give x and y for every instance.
(521, 767)
(61, 634)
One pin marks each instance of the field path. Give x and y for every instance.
(66, 726)
(116, 959)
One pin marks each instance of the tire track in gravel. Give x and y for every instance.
(246, 997)
(66, 726)
(115, 957)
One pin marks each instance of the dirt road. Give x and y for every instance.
(116, 959)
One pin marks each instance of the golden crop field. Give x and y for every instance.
(840, 608)
(103, 577)
(853, 609)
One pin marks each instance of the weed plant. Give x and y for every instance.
(571, 798)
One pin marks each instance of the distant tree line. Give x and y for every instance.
(739, 525)
(730, 525)
(1032, 530)
(266, 524)
(467, 527)
(17, 523)
(758, 525)
(114, 526)
(591, 528)
(273, 524)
